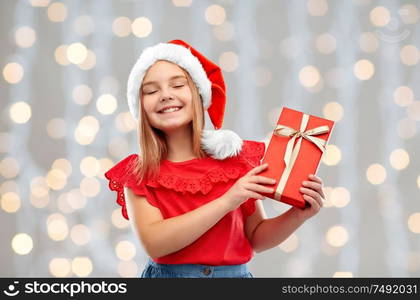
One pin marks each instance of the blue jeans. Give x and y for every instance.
(155, 270)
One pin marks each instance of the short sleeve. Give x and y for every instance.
(119, 176)
(252, 152)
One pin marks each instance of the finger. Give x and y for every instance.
(315, 178)
(314, 204)
(255, 195)
(321, 192)
(312, 194)
(315, 186)
(257, 169)
(262, 179)
(259, 188)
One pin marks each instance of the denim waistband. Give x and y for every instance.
(208, 270)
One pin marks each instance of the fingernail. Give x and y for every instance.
(301, 189)
(273, 181)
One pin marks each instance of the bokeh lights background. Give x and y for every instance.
(65, 121)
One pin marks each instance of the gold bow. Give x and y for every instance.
(292, 150)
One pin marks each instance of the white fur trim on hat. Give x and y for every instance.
(221, 144)
(174, 53)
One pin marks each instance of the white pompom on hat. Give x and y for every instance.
(208, 78)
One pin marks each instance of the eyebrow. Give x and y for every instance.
(172, 78)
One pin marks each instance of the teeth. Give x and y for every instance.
(172, 109)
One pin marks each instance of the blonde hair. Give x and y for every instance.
(153, 146)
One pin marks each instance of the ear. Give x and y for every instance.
(221, 144)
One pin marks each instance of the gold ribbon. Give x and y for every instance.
(292, 150)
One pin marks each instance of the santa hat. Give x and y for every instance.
(207, 77)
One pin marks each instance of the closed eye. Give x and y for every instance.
(176, 86)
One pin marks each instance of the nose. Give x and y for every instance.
(165, 95)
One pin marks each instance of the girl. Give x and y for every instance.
(193, 195)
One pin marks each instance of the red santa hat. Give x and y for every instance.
(207, 77)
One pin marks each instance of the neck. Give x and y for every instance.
(180, 144)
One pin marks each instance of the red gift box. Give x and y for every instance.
(294, 152)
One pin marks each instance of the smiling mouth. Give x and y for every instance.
(170, 110)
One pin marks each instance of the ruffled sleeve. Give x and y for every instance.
(121, 175)
(252, 153)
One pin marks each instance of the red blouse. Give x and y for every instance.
(184, 186)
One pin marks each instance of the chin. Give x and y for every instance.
(170, 125)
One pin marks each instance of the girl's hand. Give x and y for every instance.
(248, 186)
(314, 195)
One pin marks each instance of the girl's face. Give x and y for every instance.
(166, 96)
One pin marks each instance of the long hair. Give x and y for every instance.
(153, 146)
